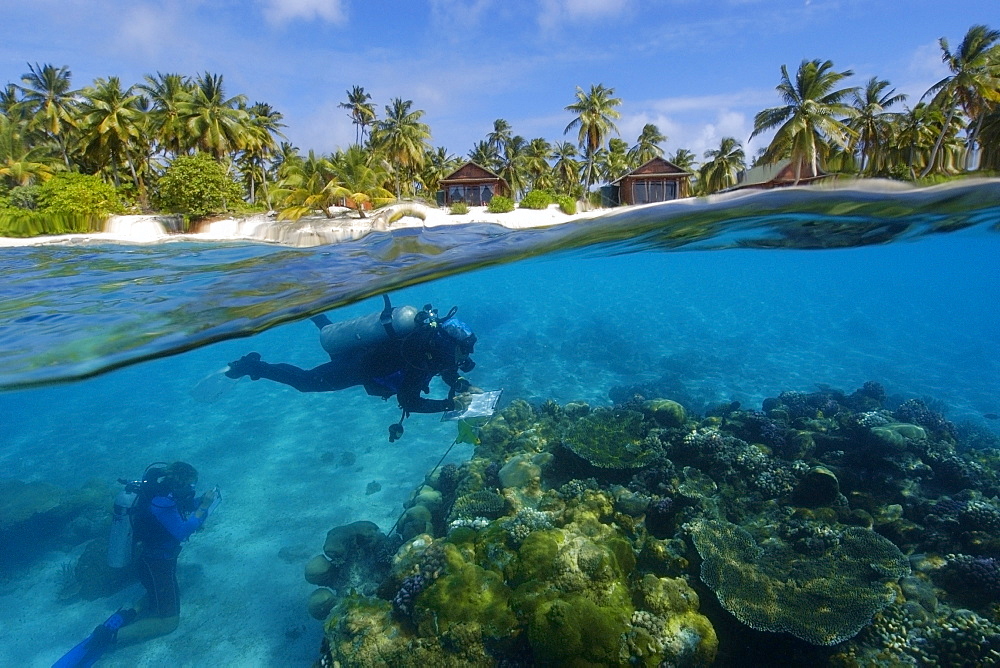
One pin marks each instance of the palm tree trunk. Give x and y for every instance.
(939, 142)
(971, 145)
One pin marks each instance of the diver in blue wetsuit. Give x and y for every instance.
(165, 515)
(396, 352)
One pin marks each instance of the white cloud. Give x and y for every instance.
(924, 69)
(149, 29)
(460, 16)
(555, 12)
(283, 11)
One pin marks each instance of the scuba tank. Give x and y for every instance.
(351, 337)
(120, 539)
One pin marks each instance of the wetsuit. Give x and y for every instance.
(403, 368)
(161, 529)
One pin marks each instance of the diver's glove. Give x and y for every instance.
(460, 402)
(464, 386)
(245, 366)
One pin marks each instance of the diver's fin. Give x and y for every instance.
(88, 651)
(212, 387)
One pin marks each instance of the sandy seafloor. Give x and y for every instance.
(919, 317)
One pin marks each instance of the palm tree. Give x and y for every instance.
(260, 141)
(596, 113)
(361, 111)
(511, 167)
(486, 155)
(915, 131)
(536, 163)
(310, 185)
(566, 168)
(500, 136)
(360, 181)
(684, 159)
(809, 121)
(20, 163)
(168, 94)
(973, 83)
(989, 137)
(614, 161)
(647, 146)
(110, 126)
(403, 138)
(51, 103)
(872, 123)
(722, 166)
(437, 165)
(217, 124)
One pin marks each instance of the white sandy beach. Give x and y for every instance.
(306, 232)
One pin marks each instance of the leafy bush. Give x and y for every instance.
(536, 199)
(500, 204)
(459, 208)
(82, 194)
(566, 204)
(197, 186)
(24, 197)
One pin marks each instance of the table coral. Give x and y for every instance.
(821, 599)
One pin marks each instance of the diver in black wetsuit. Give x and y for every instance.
(395, 352)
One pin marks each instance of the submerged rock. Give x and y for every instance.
(818, 487)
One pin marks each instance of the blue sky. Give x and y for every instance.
(698, 69)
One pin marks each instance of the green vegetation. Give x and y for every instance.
(130, 136)
(84, 194)
(536, 199)
(459, 208)
(500, 204)
(566, 204)
(196, 186)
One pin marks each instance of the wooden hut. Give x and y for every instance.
(657, 180)
(777, 175)
(473, 185)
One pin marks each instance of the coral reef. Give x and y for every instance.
(822, 598)
(39, 516)
(825, 527)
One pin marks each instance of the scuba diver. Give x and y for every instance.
(164, 513)
(395, 352)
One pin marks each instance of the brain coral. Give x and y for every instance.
(611, 439)
(822, 599)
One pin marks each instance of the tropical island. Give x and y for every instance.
(69, 157)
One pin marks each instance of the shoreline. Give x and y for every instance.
(309, 231)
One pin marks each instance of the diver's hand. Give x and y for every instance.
(460, 402)
(208, 498)
(244, 366)
(463, 386)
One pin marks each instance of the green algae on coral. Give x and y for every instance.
(611, 438)
(823, 599)
(466, 594)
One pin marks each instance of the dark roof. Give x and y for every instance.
(775, 174)
(655, 167)
(470, 171)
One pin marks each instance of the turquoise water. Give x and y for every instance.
(101, 346)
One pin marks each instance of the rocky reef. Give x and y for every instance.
(826, 527)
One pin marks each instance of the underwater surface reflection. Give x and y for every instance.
(595, 315)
